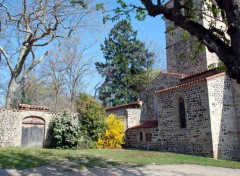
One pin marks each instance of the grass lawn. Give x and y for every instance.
(21, 158)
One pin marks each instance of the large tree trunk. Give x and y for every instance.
(12, 87)
(232, 9)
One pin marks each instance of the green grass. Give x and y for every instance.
(143, 157)
(21, 158)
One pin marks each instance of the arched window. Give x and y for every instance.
(182, 113)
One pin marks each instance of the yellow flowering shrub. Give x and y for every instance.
(113, 137)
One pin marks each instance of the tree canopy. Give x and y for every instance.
(126, 57)
(187, 14)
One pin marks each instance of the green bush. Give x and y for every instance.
(66, 132)
(86, 142)
(91, 117)
(82, 131)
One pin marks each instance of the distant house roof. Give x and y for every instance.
(124, 106)
(146, 124)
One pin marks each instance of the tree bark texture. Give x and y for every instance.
(12, 87)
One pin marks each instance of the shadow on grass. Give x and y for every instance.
(23, 159)
(92, 161)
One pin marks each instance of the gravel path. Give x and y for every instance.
(67, 169)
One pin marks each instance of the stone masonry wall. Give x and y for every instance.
(236, 99)
(225, 131)
(11, 125)
(133, 117)
(181, 50)
(130, 117)
(149, 108)
(181, 55)
(9, 128)
(196, 137)
(119, 112)
(133, 139)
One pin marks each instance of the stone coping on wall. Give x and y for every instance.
(34, 110)
(189, 83)
(10, 110)
(27, 107)
(146, 124)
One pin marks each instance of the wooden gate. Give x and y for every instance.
(33, 132)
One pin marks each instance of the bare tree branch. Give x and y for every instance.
(7, 58)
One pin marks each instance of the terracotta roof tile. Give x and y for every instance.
(134, 105)
(146, 124)
(202, 73)
(189, 83)
(27, 107)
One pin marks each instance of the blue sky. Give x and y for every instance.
(151, 29)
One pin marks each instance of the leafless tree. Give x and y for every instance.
(66, 68)
(28, 26)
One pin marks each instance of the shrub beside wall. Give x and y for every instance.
(66, 131)
(113, 137)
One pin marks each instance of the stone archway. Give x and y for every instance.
(33, 132)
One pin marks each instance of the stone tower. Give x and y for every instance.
(182, 55)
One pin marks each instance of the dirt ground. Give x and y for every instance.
(67, 169)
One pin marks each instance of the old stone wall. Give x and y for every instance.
(129, 116)
(196, 137)
(133, 139)
(149, 108)
(224, 107)
(181, 47)
(181, 54)
(119, 112)
(133, 117)
(11, 125)
(122, 115)
(236, 99)
(9, 128)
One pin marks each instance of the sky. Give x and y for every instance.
(151, 30)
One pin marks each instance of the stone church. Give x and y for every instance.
(191, 108)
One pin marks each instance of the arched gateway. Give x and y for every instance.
(33, 131)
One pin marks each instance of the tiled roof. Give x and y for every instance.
(189, 83)
(202, 74)
(165, 73)
(129, 105)
(146, 124)
(27, 107)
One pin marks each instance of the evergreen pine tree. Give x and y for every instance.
(126, 57)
